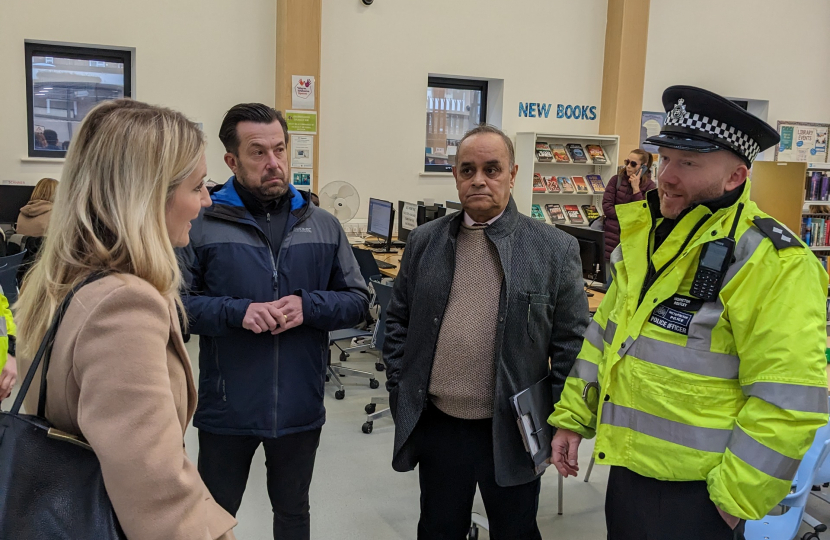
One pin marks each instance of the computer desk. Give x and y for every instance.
(395, 258)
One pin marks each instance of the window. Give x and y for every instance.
(454, 106)
(63, 83)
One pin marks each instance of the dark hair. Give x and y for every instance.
(487, 128)
(51, 136)
(646, 157)
(248, 112)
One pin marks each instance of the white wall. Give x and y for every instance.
(376, 60)
(197, 56)
(772, 50)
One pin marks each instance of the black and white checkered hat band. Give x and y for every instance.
(735, 138)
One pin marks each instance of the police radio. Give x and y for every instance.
(715, 260)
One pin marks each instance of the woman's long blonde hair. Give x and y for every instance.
(122, 167)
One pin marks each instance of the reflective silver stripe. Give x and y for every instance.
(793, 397)
(593, 335)
(610, 330)
(704, 321)
(698, 438)
(3, 330)
(584, 370)
(710, 364)
(761, 457)
(616, 257)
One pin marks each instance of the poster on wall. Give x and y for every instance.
(802, 141)
(301, 178)
(302, 151)
(302, 92)
(301, 122)
(650, 125)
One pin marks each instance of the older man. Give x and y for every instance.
(707, 350)
(487, 302)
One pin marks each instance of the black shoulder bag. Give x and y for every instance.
(50, 482)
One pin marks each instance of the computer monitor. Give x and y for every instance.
(12, 199)
(410, 216)
(591, 251)
(453, 207)
(382, 222)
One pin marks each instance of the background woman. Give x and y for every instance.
(34, 217)
(120, 376)
(628, 186)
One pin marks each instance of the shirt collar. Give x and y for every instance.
(468, 221)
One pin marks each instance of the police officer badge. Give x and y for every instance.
(678, 112)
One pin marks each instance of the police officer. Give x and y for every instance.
(702, 374)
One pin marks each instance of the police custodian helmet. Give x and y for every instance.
(698, 120)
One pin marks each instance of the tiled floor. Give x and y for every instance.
(355, 494)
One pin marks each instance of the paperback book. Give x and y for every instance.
(595, 182)
(577, 153)
(552, 184)
(574, 215)
(555, 213)
(565, 184)
(559, 153)
(580, 185)
(590, 212)
(536, 212)
(543, 153)
(538, 183)
(597, 154)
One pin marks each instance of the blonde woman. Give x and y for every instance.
(34, 217)
(119, 375)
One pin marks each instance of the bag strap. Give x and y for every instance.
(44, 352)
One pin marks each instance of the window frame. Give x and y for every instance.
(77, 52)
(458, 84)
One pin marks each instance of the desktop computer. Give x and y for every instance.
(12, 199)
(591, 255)
(381, 224)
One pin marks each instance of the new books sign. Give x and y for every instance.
(570, 112)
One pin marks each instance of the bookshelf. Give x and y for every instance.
(528, 165)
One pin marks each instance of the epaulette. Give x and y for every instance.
(781, 236)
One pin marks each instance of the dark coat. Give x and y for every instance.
(260, 384)
(619, 191)
(543, 312)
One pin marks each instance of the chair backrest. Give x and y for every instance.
(823, 474)
(805, 476)
(384, 296)
(8, 275)
(15, 244)
(367, 263)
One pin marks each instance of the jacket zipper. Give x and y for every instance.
(275, 284)
(648, 284)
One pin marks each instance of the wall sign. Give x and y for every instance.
(571, 112)
(301, 122)
(802, 141)
(302, 92)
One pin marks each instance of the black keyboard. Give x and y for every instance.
(385, 265)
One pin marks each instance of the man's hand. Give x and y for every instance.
(291, 307)
(730, 520)
(262, 317)
(564, 455)
(8, 377)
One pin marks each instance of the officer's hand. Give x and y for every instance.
(564, 447)
(8, 377)
(291, 307)
(261, 317)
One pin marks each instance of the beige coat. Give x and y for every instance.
(34, 218)
(121, 378)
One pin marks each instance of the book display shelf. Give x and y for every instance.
(561, 177)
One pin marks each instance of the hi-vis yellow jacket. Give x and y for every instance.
(7, 329)
(730, 391)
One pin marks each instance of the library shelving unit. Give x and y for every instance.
(780, 189)
(528, 164)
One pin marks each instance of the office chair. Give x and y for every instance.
(8, 275)
(369, 270)
(786, 525)
(384, 296)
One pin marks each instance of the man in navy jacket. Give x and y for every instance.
(268, 276)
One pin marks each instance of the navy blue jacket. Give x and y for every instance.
(260, 384)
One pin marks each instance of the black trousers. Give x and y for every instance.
(640, 508)
(225, 461)
(454, 455)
